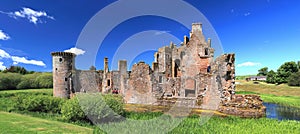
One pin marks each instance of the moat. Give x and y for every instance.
(279, 112)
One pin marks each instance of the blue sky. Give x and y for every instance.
(260, 32)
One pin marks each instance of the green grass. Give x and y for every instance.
(17, 123)
(293, 101)
(51, 123)
(279, 94)
(38, 91)
(227, 125)
(264, 88)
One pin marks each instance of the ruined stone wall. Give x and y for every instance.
(107, 82)
(123, 76)
(87, 81)
(165, 60)
(224, 67)
(140, 85)
(115, 80)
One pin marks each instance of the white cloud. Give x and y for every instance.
(247, 14)
(2, 67)
(23, 60)
(76, 51)
(3, 36)
(4, 54)
(161, 32)
(30, 14)
(248, 64)
(16, 60)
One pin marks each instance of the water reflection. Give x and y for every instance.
(279, 112)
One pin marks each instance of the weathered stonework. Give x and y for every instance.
(63, 67)
(187, 73)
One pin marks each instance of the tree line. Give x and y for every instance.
(289, 73)
(16, 77)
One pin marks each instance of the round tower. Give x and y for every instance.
(63, 66)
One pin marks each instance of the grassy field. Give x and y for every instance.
(47, 123)
(280, 94)
(264, 88)
(17, 123)
(215, 125)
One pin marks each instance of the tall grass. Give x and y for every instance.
(194, 124)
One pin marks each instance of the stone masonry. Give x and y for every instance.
(185, 71)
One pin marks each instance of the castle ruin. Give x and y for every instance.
(188, 71)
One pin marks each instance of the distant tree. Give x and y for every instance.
(16, 69)
(93, 68)
(271, 77)
(285, 71)
(298, 65)
(294, 79)
(263, 71)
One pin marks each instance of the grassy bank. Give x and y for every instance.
(280, 94)
(17, 123)
(51, 123)
(227, 125)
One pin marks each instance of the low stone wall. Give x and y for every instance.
(248, 106)
(244, 106)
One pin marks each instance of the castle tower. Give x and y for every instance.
(106, 70)
(63, 66)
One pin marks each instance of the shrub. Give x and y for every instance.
(72, 111)
(28, 81)
(38, 103)
(44, 80)
(294, 79)
(9, 80)
(96, 107)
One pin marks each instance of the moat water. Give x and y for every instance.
(279, 112)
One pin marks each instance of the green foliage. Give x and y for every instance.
(16, 69)
(96, 107)
(294, 79)
(8, 99)
(9, 80)
(71, 111)
(271, 77)
(38, 103)
(285, 70)
(44, 80)
(28, 81)
(263, 71)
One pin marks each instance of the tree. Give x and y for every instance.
(294, 79)
(93, 68)
(271, 77)
(298, 65)
(285, 71)
(263, 71)
(16, 69)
